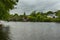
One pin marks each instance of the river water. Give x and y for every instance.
(34, 30)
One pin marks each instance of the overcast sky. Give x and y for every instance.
(39, 5)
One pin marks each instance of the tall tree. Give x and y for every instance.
(5, 6)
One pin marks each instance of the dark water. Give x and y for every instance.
(33, 31)
(4, 33)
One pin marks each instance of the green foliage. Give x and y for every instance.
(15, 14)
(8, 4)
(5, 6)
(58, 13)
(35, 17)
(50, 12)
(33, 13)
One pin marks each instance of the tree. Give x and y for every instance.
(24, 14)
(33, 13)
(38, 13)
(50, 12)
(6, 6)
(15, 14)
(58, 13)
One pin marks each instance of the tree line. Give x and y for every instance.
(35, 17)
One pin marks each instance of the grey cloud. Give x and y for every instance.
(39, 5)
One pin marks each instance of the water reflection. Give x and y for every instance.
(34, 31)
(4, 33)
(30, 31)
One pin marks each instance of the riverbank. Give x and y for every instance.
(36, 17)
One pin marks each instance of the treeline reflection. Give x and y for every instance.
(4, 33)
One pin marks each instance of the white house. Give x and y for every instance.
(52, 15)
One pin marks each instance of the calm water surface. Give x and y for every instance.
(34, 31)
